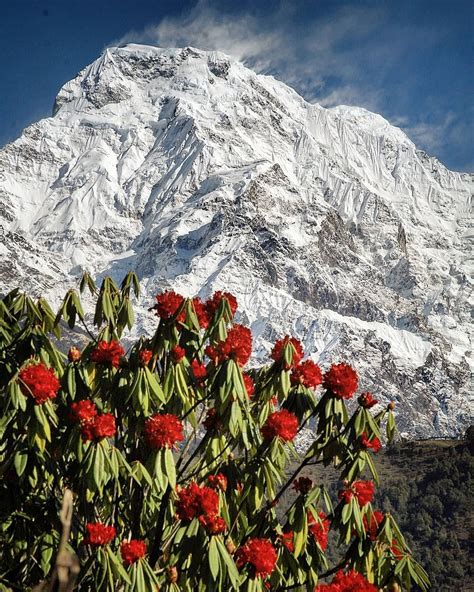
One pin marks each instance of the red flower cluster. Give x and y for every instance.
(145, 356)
(308, 374)
(277, 351)
(83, 411)
(280, 424)
(351, 581)
(177, 353)
(99, 534)
(362, 490)
(367, 400)
(213, 524)
(319, 529)
(98, 428)
(163, 431)
(237, 346)
(201, 313)
(371, 527)
(341, 380)
(373, 444)
(303, 485)
(213, 303)
(286, 539)
(132, 551)
(218, 481)
(249, 385)
(194, 501)
(40, 382)
(260, 554)
(107, 353)
(199, 370)
(167, 305)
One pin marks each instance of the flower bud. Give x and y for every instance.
(230, 546)
(172, 574)
(74, 355)
(391, 405)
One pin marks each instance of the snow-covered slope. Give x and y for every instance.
(327, 223)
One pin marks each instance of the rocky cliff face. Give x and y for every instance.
(327, 224)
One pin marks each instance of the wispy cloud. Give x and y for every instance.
(304, 57)
(351, 54)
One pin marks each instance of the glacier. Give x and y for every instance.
(327, 224)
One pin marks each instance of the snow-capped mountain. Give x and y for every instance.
(328, 224)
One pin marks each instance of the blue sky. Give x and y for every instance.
(409, 60)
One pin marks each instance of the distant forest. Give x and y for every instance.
(429, 488)
(431, 493)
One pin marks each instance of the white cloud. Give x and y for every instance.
(342, 58)
(302, 58)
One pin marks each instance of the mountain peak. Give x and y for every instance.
(327, 223)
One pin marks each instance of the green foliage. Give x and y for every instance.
(174, 460)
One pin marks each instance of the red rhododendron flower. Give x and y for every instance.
(163, 431)
(396, 551)
(213, 524)
(132, 551)
(260, 554)
(177, 353)
(373, 444)
(371, 528)
(213, 303)
(308, 374)
(303, 485)
(40, 382)
(99, 427)
(212, 420)
(341, 380)
(167, 305)
(145, 356)
(218, 481)
(194, 501)
(237, 346)
(286, 539)
(199, 370)
(351, 581)
(99, 534)
(84, 410)
(277, 351)
(249, 385)
(362, 490)
(280, 424)
(201, 313)
(107, 353)
(367, 400)
(319, 530)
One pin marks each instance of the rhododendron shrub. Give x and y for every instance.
(174, 450)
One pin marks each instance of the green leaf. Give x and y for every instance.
(346, 513)
(232, 570)
(117, 566)
(213, 558)
(20, 461)
(154, 385)
(169, 467)
(99, 462)
(71, 380)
